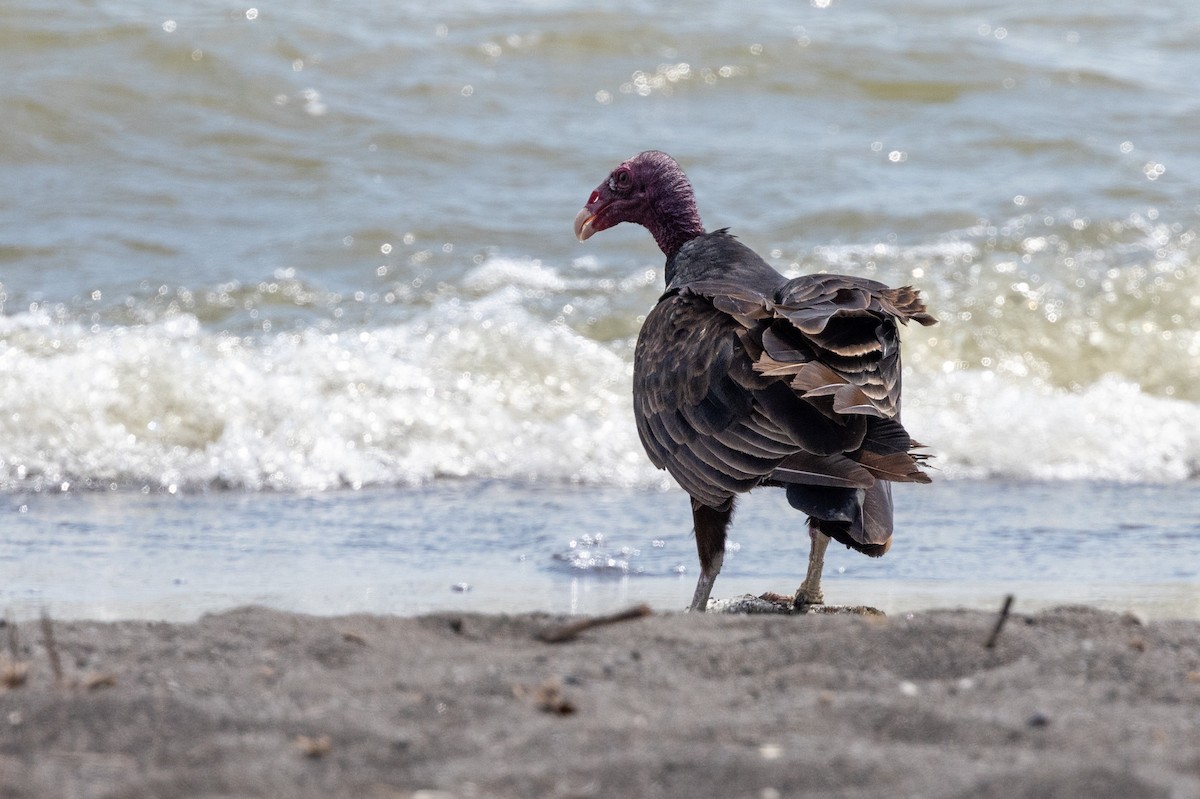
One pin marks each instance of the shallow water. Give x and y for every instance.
(495, 546)
(279, 279)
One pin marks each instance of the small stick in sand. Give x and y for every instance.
(566, 632)
(51, 649)
(990, 643)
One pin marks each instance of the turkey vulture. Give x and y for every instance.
(743, 378)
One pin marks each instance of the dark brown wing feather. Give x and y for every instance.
(837, 336)
(734, 389)
(693, 389)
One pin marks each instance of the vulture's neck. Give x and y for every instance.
(676, 223)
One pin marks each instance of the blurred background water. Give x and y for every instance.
(291, 312)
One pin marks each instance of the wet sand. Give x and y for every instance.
(257, 702)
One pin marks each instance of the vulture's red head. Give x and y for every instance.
(649, 189)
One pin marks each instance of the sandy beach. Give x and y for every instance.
(256, 702)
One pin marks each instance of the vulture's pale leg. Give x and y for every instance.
(705, 583)
(710, 525)
(809, 592)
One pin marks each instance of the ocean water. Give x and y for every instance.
(291, 311)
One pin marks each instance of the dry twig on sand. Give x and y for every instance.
(558, 635)
(990, 643)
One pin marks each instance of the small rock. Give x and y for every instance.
(314, 747)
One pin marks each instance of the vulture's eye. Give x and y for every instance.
(621, 180)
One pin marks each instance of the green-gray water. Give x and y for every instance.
(256, 257)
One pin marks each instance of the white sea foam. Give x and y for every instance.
(469, 389)
(983, 424)
(485, 384)
(499, 273)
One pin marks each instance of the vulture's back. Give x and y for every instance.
(744, 378)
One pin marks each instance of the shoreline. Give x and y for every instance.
(591, 595)
(963, 544)
(260, 702)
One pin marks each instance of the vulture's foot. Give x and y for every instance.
(806, 596)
